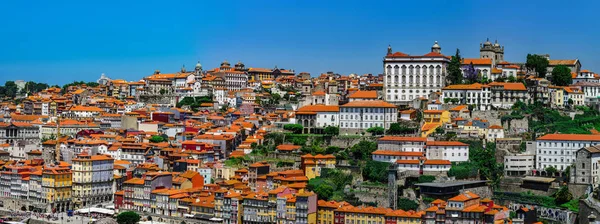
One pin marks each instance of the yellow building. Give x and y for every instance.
(351, 214)
(325, 210)
(56, 187)
(557, 99)
(433, 119)
(312, 165)
(436, 116)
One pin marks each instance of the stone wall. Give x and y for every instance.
(349, 142)
(588, 207)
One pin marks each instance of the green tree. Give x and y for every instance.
(296, 128)
(10, 89)
(570, 102)
(163, 91)
(331, 130)
(276, 98)
(407, 204)
(512, 78)
(397, 128)
(450, 136)
(332, 149)
(376, 130)
(426, 179)
(92, 84)
(455, 75)
(561, 76)
(157, 139)
(439, 130)
(324, 191)
(363, 150)
(128, 218)
(563, 195)
(537, 63)
(375, 171)
(551, 170)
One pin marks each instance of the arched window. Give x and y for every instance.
(403, 69)
(431, 69)
(438, 70)
(424, 69)
(431, 79)
(389, 70)
(396, 70)
(418, 70)
(410, 70)
(410, 79)
(389, 79)
(403, 79)
(396, 79)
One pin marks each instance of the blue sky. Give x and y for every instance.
(60, 41)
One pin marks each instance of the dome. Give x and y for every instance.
(225, 63)
(487, 42)
(239, 64)
(198, 66)
(435, 45)
(496, 44)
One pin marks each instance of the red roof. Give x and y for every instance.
(369, 103)
(570, 137)
(402, 139)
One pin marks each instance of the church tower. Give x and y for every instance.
(436, 48)
(198, 71)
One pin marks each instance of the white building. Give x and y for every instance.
(236, 80)
(408, 77)
(510, 70)
(473, 94)
(493, 132)
(504, 94)
(427, 166)
(585, 76)
(85, 112)
(519, 164)
(558, 150)
(359, 115)
(401, 144)
(391, 156)
(575, 95)
(447, 150)
(318, 116)
(591, 90)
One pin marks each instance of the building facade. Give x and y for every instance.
(409, 77)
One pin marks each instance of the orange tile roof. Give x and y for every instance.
(319, 108)
(445, 143)
(86, 109)
(402, 139)
(474, 86)
(477, 61)
(510, 86)
(495, 127)
(467, 195)
(569, 137)
(363, 94)
(369, 103)
(288, 147)
(397, 153)
(562, 62)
